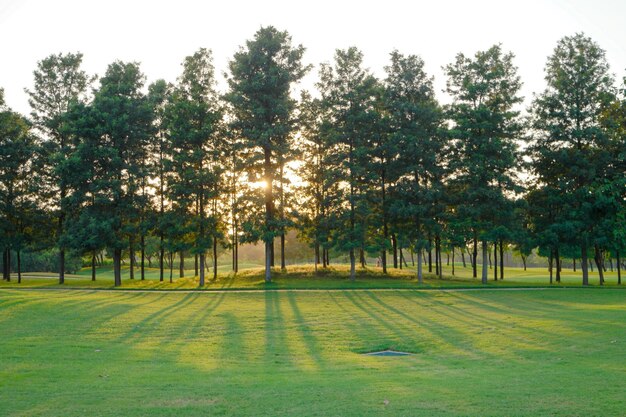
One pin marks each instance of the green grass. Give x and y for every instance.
(554, 352)
(304, 277)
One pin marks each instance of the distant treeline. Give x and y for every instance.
(361, 166)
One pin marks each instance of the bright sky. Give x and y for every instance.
(159, 34)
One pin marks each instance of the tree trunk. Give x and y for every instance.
(93, 265)
(574, 263)
(430, 254)
(214, 258)
(143, 257)
(268, 261)
(475, 255)
(420, 278)
(436, 256)
(362, 257)
(201, 269)
(394, 245)
(181, 264)
(171, 257)
(557, 259)
(524, 261)
(550, 257)
(195, 265)
(452, 260)
(583, 263)
(352, 265)
(117, 267)
(61, 249)
(236, 253)
(316, 256)
(439, 260)
(19, 267)
(501, 260)
(412, 256)
(269, 212)
(131, 255)
(161, 258)
(619, 268)
(495, 260)
(485, 261)
(598, 259)
(283, 265)
(463, 258)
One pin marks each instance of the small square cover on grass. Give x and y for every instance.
(388, 353)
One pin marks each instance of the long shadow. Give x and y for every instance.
(306, 332)
(443, 333)
(519, 333)
(276, 343)
(359, 328)
(392, 329)
(191, 326)
(138, 330)
(233, 345)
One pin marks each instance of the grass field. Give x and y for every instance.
(556, 352)
(303, 276)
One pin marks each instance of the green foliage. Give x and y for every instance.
(484, 150)
(571, 151)
(262, 110)
(192, 121)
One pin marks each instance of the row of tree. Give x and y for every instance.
(380, 164)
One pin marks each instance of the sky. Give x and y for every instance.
(159, 34)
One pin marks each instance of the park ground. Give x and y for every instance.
(490, 352)
(251, 276)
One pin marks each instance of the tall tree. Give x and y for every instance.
(349, 93)
(17, 147)
(193, 118)
(414, 122)
(318, 190)
(570, 149)
(122, 123)
(485, 128)
(260, 81)
(58, 82)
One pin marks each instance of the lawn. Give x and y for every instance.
(303, 277)
(557, 352)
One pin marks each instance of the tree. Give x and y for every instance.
(570, 149)
(193, 119)
(485, 91)
(348, 100)
(121, 123)
(318, 190)
(58, 83)
(17, 146)
(158, 94)
(414, 119)
(260, 81)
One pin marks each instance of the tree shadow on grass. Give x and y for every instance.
(306, 332)
(276, 343)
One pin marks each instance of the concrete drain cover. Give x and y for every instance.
(388, 353)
